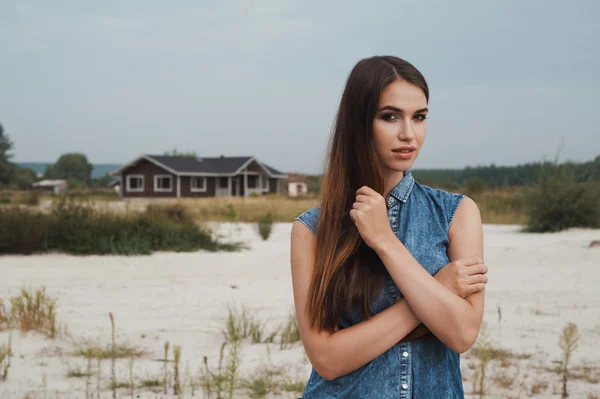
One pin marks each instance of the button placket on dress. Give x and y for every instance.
(405, 369)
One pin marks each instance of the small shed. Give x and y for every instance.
(296, 185)
(53, 186)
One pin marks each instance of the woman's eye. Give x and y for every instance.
(421, 117)
(389, 117)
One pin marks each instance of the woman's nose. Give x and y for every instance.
(406, 132)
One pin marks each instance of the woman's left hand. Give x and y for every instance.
(369, 214)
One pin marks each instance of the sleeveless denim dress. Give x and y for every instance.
(426, 368)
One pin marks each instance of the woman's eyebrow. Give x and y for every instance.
(392, 108)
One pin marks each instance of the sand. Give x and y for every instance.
(540, 282)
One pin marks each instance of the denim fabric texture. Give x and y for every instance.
(420, 216)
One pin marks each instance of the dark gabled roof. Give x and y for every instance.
(201, 165)
(273, 170)
(214, 165)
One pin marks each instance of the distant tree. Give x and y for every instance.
(102, 181)
(6, 168)
(73, 167)
(176, 153)
(313, 183)
(23, 178)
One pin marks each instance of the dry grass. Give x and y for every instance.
(242, 324)
(291, 332)
(4, 316)
(78, 372)
(5, 356)
(221, 209)
(31, 310)
(224, 381)
(500, 354)
(538, 386)
(498, 206)
(270, 380)
(89, 349)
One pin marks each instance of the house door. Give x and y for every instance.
(222, 188)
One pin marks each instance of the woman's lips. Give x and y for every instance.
(403, 155)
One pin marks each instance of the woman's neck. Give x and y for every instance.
(392, 181)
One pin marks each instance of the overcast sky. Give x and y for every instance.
(115, 79)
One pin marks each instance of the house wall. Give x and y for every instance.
(148, 170)
(186, 190)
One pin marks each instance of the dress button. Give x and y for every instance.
(405, 386)
(405, 354)
(392, 219)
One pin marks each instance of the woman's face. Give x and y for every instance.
(400, 122)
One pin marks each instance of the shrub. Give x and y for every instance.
(22, 231)
(230, 213)
(559, 204)
(265, 226)
(80, 229)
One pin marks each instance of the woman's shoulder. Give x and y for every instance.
(310, 218)
(446, 201)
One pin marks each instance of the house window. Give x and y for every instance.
(265, 183)
(198, 184)
(252, 181)
(163, 183)
(135, 183)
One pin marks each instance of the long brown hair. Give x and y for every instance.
(347, 273)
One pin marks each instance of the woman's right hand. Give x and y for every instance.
(463, 276)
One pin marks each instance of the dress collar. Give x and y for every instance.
(402, 190)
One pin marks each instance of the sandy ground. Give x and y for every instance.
(540, 282)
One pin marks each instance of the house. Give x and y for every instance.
(54, 186)
(296, 185)
(182, 176)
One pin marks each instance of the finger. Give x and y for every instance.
(360, 205)
(366, 190)
(478, 278)
(477, 269)
(363, 198)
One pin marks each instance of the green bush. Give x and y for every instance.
(230, 213)
(22, 231)
(265, 225)
(559, 204)
(79, 229)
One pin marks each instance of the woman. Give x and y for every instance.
(388, 274)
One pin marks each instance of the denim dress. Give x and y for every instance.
(426, 368)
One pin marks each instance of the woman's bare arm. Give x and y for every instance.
(454, 320)
(339, 353)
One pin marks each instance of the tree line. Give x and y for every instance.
(76, 168)
(73, 167)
